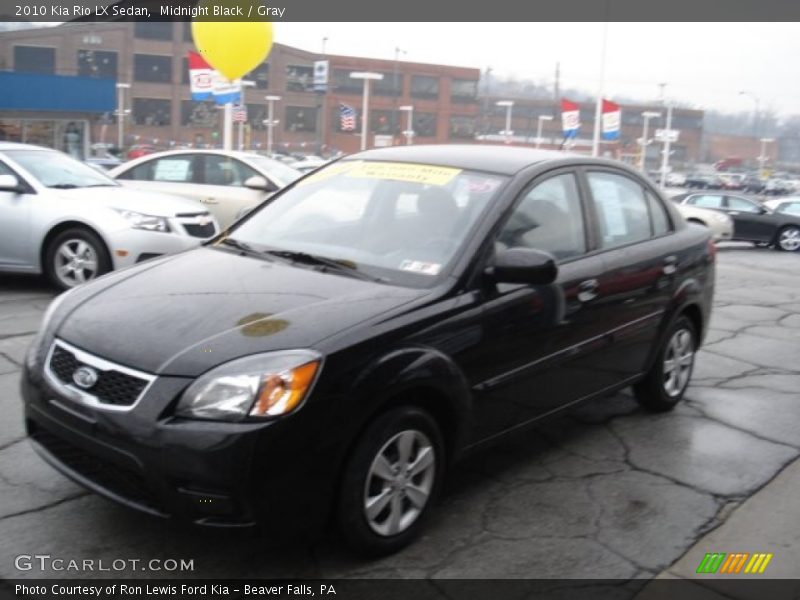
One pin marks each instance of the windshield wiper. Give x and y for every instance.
(338, 264)
(243, 247)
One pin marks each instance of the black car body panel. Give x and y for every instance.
(484, 358)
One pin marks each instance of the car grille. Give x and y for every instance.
(123, 481)
(201, 231)
(112, 387)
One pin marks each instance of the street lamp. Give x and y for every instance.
(245, 83)
(409, 132)
(366, 76)
(121, 87)
(646, 115)
(509, 104)
(270, 122)
(762, 159)
(542, 119)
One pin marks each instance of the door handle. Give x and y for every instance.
(587, 290)
(670, 265)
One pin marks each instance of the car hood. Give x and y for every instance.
(190, 312)
(151, 203)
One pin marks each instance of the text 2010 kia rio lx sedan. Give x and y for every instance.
(331, 354)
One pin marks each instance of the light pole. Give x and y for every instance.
(509, 104)
(271, 122)
(667, 142)
(762, 159)
(646, 115)
(366, 76)
(542, 119)
(121, 87)
(245, 83)
(409, 132)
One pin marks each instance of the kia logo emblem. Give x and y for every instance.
(85, 377)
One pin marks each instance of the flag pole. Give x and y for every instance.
(227, 130)
(599, 105)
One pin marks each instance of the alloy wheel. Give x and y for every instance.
(678, 362)
(789, 239)
(399, 482)
(76, 262)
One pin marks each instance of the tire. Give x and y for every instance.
(398, 519)
(89, 258)
(662, 389)
(788, 239)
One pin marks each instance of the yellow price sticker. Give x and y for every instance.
(426, 174)
(336, 168)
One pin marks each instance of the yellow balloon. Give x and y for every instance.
(233, 48)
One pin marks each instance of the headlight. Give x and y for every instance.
(33, 349)
(260, 386)
(143, 221)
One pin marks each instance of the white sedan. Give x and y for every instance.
(61, 217)
(226, 182)
(719, 224)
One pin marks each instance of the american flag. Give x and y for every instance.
(240, 113)
(347, 118)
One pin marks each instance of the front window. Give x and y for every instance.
(742, 205)
(790, 208)
(403, 223)
(56, 170)
(281, 173)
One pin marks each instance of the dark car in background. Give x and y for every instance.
(703, 181)
(332, 354)
(752, 220)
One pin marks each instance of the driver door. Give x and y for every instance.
(752, 221)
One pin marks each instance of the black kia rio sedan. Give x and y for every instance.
(328, 357)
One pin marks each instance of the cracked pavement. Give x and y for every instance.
(606, 491)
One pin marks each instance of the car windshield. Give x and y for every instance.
(57, 170)
(790, 208)
(399, 222)
(282, 172)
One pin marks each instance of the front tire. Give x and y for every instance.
(666, 382)
(75, 256)
(391, 481)
(788, 239)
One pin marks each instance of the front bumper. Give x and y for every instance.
(201, 472)
(131, 246)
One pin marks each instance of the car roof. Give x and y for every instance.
(506, 160)
(234, 153)
(18, 146)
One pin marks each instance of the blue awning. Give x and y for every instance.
(35, 92)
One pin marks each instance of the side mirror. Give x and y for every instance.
(523, 265)
(9, 183)
(256, 182)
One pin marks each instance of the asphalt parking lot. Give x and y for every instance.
(607, 491)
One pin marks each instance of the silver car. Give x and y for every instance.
(64, 218)
(228, 183)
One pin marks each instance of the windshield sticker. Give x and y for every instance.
(425, 174)
(418, 266)
(482, 185)
(328, 172)
(176, 169)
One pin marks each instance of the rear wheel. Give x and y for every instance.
(666, 382)
(391, 481)
(75, 256)
(788, 238)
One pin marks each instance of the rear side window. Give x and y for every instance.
(175, 169)
(742, 205)
(706, 201)
(658, 214)
(622, 209)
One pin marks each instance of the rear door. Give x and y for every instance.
(17, 250)
(635, 241)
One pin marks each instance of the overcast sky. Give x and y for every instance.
(707, 64)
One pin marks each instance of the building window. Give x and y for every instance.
(342, 82)
(150, 30)
(261, 76)
(301, 118)
(256, 115)
(462, 127)
(33, 59)
(464, 90)
(151, 112)
(390, 85)
(199, 114)
(149, 67)
(425, 124)
(185, 71)
(383, 122)
(97, 63)
(299, 78)
(424, 87)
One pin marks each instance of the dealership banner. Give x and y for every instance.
(570, 118)
(205, 82)
(612, 117)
